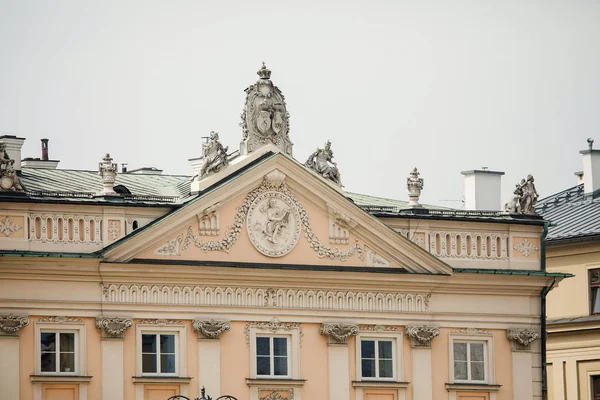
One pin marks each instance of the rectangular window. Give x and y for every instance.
(594, 291)
(376, 357)
(272, 356)
(158, 353)
(57, 352)
(469, 361)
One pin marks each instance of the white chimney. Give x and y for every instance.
(483, 189)
(13, 148)
(591, 169)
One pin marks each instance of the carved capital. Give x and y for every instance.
(210, 329)
(10, 324)
(522, 337)
(113, 327)
(338, 333)
(421, 336)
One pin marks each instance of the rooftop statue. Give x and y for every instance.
(214, 154)
(321, 161)
(265, 118)
(415, 186)
(524, 198)
(107, 170)
(9, 181)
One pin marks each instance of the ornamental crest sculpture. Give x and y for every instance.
(214, 155)
(108, 171)
(415, 186)
(321, 161)
(273, 224)
(9, 181)
(524, 198)
(265, 118)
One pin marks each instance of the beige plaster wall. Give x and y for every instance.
(235, 361)
(313, 367)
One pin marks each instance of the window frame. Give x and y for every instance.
(591, 287)
(78, 329)
(293, 343)
(488, 361)
(180, 351)
(272, 357)
(159, 353)
(397, 350)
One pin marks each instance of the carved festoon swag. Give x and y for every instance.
(339, 332)
(10, 324)
(422, 335)
(113, 327)
(211, 329)
(523, 337)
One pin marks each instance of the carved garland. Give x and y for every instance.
(339, 332)
(274, 395)
(377, 328)
(422, 334)
(60, 319)
(211, 329)
(10, 324)
(523, 336)
(232, 232)
(273, 326)
(113, 327)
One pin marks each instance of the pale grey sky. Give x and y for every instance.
(442, 85)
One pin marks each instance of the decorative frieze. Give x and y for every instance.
(10, 324)
(275, 395)
(313, 299)
(210, 329)
(114, 229)
(339, 332)
(65, 228)
(8, 227)
(526, 248)
(377, 328)
(421, 336)
(161, 322)
(522, 337)
(113, 327)
(273, 326)
(171, 248)
(60, 319)
(470, 245)
(471, 332)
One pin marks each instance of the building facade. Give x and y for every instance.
(259, 277)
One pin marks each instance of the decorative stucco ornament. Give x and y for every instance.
(10, 324)
(211, 329)
(339, 333)
(273, 224)
(415, 186)
(9, 181)
(265, 118)
(422, 335)
(524, 198)
(113, 327)
(8, 227)
(214, 155)
(524, 337)
(321, 161)
(108, 171)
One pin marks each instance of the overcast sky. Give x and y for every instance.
(441, 85)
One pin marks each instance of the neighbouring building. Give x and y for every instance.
(573, 246)
(259, 277)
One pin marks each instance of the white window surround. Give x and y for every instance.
(180, 350)
(293, 337)
(396, 338)
(488, 353)
(80, 346)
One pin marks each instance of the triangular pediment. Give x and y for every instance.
(275, 212)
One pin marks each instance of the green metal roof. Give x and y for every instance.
(522, 272)
(363, 200)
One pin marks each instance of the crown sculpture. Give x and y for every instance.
(265, 118)
(9, 181)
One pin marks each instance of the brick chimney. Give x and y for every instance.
(591, 168)
(43, 162)
(13, 148)
(483, 189)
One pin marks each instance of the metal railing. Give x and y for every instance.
(203, 395)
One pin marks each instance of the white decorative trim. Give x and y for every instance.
(526, 248)
(171, 248)
(113, 327)
(38, 227)
(421, 336)
(273, 326)
(60, 319)
(459, 248)
(114, 229)
(339, 332)
(339, 226)
(274, 395)
(471, 332)
(161, 322)
(210, 329)
(377, 328)
(10, 324)
(266, 297)
(209, 221)
(8, 227)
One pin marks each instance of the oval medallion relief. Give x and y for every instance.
(273, 224)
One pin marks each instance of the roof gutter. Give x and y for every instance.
(543, 294)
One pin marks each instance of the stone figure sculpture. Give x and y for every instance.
(524, 198)
(264, 118)
(9, 181)
(321, 161)
(214, 154)
(277, 219)
(414, 185)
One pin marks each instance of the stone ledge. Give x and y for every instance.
(380, 384)
(61, 378)
(481, 387)
(275, 382)
(162, 379)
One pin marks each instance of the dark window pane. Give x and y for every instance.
(367, 349)
(368, 368)
(167, 344)
(167, 363)
(280, 366)
(477, 371)
(385, 349)
(149, 363)
(386, 368)
(460, 352)
(280, 346)
(48, 362)
(596, 303)
(595, 276)
(48, 341)
(476, 351)
(148, 343)
(67, 342)
(67, 362)
(460, 370)
(263, 346)
(263, 366)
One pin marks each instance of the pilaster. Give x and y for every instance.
(420, 340)
(339, 374)
(113, 330)
(9, 349)
(209, 353)
(521, 361)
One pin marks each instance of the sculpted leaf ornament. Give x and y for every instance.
(526, 248)
(10, 324)
(113, 327)
(524, 337)
(211, 329)
(339, 332)
(422, 335)
(8, 227)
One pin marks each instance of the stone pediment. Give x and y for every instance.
(278, 213)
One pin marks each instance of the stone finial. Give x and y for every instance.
(338, 333)
(113, 327)
(214, 155)
(524, 198)
(108, 171)
(210, 329)
(10, 324)
(9, 181)
(265, 118)
(522, 337)
(321, 161)
(421, 336)
(415, 186)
